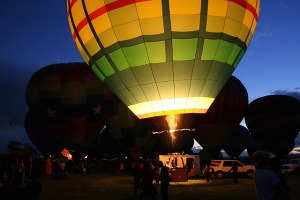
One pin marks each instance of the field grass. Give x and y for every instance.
(118, 186)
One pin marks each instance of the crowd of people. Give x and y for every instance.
(14, 175)
(148, 179)
(17, 182)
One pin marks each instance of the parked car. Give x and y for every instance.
(222, 167)
(290, 166)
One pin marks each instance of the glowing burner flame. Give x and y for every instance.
(172, 122)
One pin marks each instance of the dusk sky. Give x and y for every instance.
(35, 33)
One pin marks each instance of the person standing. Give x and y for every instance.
(136, 177)
(206, 172)
(234, 170)
(147, 176)
(268, 185)
(212, 174)
(164, 180)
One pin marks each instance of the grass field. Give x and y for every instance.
(117, 186)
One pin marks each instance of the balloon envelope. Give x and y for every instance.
(40, 136)
(274, 121)
(163, 57)
(274, 116)
(237, 142)
(70, 102)
(130, 132)
(223, 117)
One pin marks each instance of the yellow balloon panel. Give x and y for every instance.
(163, 57)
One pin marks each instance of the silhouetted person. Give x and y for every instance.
(212, 174)
(275, 167)
(147, 179)
(136, 177)
(206, 172)
(164, 180)
(234, 171)
(268, 185)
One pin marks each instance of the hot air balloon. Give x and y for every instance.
(237, 142)
(40, 136)
(70, 103)
(134, 137)
(274, 121)
(223, 117)
(163, 57)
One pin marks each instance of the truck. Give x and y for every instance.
(181, 167)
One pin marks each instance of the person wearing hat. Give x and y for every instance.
(267, 184)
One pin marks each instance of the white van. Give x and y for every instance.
(223, 166)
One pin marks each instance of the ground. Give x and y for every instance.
(119, 186)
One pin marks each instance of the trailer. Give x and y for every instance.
(181, 167)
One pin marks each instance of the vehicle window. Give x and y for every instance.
(215, 163)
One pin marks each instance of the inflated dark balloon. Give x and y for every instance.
(237, 142)
(108, 145)
(255, 145)
(174, 142)
(223, 116)
(130, 132)
(274, 116)
(274, 120)
(280, 149)
(70, 102)
(40, 136)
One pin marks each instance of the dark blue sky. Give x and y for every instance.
(35, 33)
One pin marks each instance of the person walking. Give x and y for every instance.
(164, 180)
(234, 171)
(206, 172)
